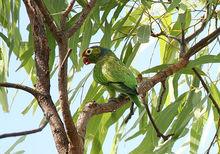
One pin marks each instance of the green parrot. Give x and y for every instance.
(110, 72)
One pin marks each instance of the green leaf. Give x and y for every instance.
(196, 134)
(56, 7)
(20, 140)
(173, 5)
(73, 43)
(80, 84)
(138, 133)
(182, 10)
(19, 152)
(106, 122)
(143, 113)
(176, 84)
(5, 38)
(165, 148)
(87, 34)
(72, 20)
(155, 68)
(215, 93)
(52, 46)
(128, 52)
(4, 100)
(186, 112)
(171, 51)
(106, 39)
(118, 11)
(25, 111)
(146, 3)
(117, 138)
(133, 54)
(163, 120)
(3, 74)
(177, 27)
(143, 33)
(121, 22)
(204, 60)
(107, 8)
(25, 58)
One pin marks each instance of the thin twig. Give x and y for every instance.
(204, 23)
(214, 138)
(161, 95)
(131, 113)
(81, 19)
(207, 90)
(162, 32)
(147, 83)
(66, 12)
(14, 134)
(202, 43)
(30, 90)
(65, 58)
(159, 134)
(48, 18)
(183, 42)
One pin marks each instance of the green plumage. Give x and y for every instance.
(112, 73)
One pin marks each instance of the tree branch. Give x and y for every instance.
(81, 19)
(204, 23)
(202, 43)
(163, 83)
(48, 18)
(75, 144)
(42, 53)
(93, 108)
(162, 33)
(207, 90)
(66, 57)
(30, 90)
(146, 84)
(14, 134)
(65, 14)
(214, 138)
(131, 113)
(159, 134)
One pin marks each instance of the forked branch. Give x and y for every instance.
(93, 108)
(86, 10)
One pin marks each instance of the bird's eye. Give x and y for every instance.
(88, 52)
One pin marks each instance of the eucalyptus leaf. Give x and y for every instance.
(143, 33)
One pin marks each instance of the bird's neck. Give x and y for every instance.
(106, 55)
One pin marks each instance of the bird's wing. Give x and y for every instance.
(119, 76)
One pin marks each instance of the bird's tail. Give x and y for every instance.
(136, 100)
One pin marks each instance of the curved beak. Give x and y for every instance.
(85, 60)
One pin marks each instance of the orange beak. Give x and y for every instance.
(85, 58)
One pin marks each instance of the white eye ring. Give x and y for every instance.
(88, 51)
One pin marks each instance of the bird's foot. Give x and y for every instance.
(113, 99)
(123, 96)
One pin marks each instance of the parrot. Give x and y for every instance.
(112, 73)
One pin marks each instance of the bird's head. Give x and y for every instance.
(93, 54)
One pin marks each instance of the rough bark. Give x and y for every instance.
(75, 145)
(42, 52)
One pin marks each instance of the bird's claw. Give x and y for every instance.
(113, 99)
(123, 96)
